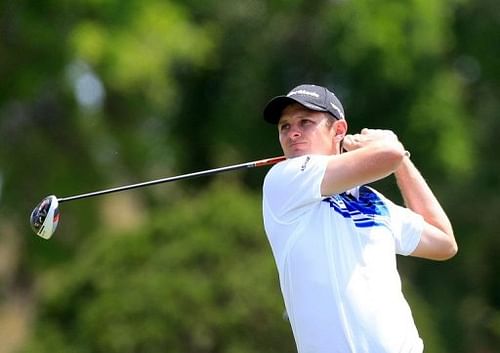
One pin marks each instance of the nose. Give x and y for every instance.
(294, 133)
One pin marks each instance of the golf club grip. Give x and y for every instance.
(259, 163)
(268, 161)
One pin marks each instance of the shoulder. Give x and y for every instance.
(296, 172)
(291, 187)
(298, 165)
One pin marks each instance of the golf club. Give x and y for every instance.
(45, 216)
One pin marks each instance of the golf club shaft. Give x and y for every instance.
(259, 163)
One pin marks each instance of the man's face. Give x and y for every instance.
(303, 131)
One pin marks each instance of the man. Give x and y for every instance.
(334, 239)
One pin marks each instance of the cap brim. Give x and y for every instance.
(273, 109)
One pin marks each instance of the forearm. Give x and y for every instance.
(360, 166)
(419, 197)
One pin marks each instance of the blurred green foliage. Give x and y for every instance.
(163, 288)
(101, 93)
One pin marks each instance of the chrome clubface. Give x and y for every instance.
(45, 217)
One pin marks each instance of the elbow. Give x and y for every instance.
(453, 251)
(452, 246)
(449, 253)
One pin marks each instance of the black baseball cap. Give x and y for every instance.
(310, 96)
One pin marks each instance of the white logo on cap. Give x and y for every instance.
(304, 92)
(337, 109)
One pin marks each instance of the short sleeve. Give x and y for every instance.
(407, 227)
(292, 186)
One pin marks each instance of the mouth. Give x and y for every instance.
(297, 143)
(296, 148)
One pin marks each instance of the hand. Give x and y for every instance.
(367, 137)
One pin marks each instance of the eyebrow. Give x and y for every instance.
(299, 115)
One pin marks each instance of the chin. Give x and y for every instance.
(294, 154)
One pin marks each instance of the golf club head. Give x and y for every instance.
(45, 217)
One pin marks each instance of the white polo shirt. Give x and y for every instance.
(336, 259)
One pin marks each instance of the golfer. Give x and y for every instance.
(335, 239)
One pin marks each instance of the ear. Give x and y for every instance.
(340, 129)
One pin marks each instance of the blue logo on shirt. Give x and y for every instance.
(368, 210)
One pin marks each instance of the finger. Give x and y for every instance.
(348, 142)
(357, 138)
(348, 139)
(353, 139)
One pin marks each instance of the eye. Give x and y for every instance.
(284, 126)
(305, 122)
